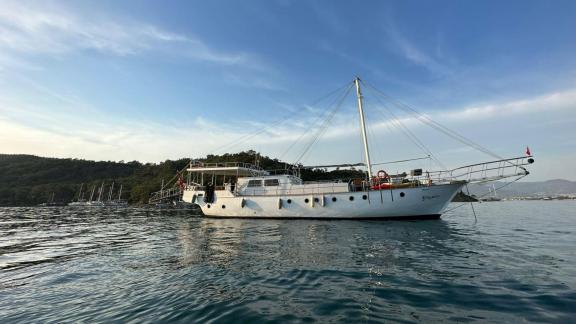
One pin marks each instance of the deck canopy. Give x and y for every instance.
(238, 169)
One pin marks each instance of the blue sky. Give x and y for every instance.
(153, 80)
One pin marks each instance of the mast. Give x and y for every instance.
(80, 193)
(363, 127)
(120, 192)
(100, 191)
(111, 191)
(92, 194)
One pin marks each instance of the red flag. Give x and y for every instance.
(528, 151)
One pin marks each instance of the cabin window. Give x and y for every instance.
(271, 182)
(254, 183)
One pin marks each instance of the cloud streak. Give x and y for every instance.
(562, 100)
(47, 29)
(397, 42)
(66, 135)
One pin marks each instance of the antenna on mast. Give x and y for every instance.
(363, 128)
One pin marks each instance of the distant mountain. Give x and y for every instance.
(532, 189)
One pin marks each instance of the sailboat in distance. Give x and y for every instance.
(235, 189)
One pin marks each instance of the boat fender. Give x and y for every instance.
(193, 199)
(242, 203)
(279, 203)
(322, 201)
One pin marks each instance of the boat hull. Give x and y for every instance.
(403, 203)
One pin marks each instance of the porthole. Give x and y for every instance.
(289, 201)
(351, 198)
(316, 200)
(402, 194)
(223, 206)
(334, 199)
(208, 205)
(306, 200)
(364, 197)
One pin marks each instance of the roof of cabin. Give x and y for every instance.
(228, 169)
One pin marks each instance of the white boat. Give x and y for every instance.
(116, 202)
(100, 202)
(80, 201)
(235, 189)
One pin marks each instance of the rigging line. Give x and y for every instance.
(398, 124)
(472, 206)
(277, 122)
(484, 195)
(411, 136)
(427, 120)
(372, 138)
(324, 126)
(399, 161)
(451, 133)
(311, 126)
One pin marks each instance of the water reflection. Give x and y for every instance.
(317, 243)
(150, 265)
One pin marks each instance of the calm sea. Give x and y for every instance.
(516, 263)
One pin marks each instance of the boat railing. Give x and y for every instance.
(282, 172)
(202, 165)
(165, 194)
(479, 172)
(307, 188)
(474, 173)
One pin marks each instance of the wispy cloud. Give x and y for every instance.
(562, 100)
(66, 135)
(399, 43)
(48, 28)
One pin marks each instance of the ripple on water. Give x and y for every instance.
(74, 265)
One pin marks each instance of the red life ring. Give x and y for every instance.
(382, 186)
(381, 181)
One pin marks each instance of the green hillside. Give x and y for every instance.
(27, 180)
